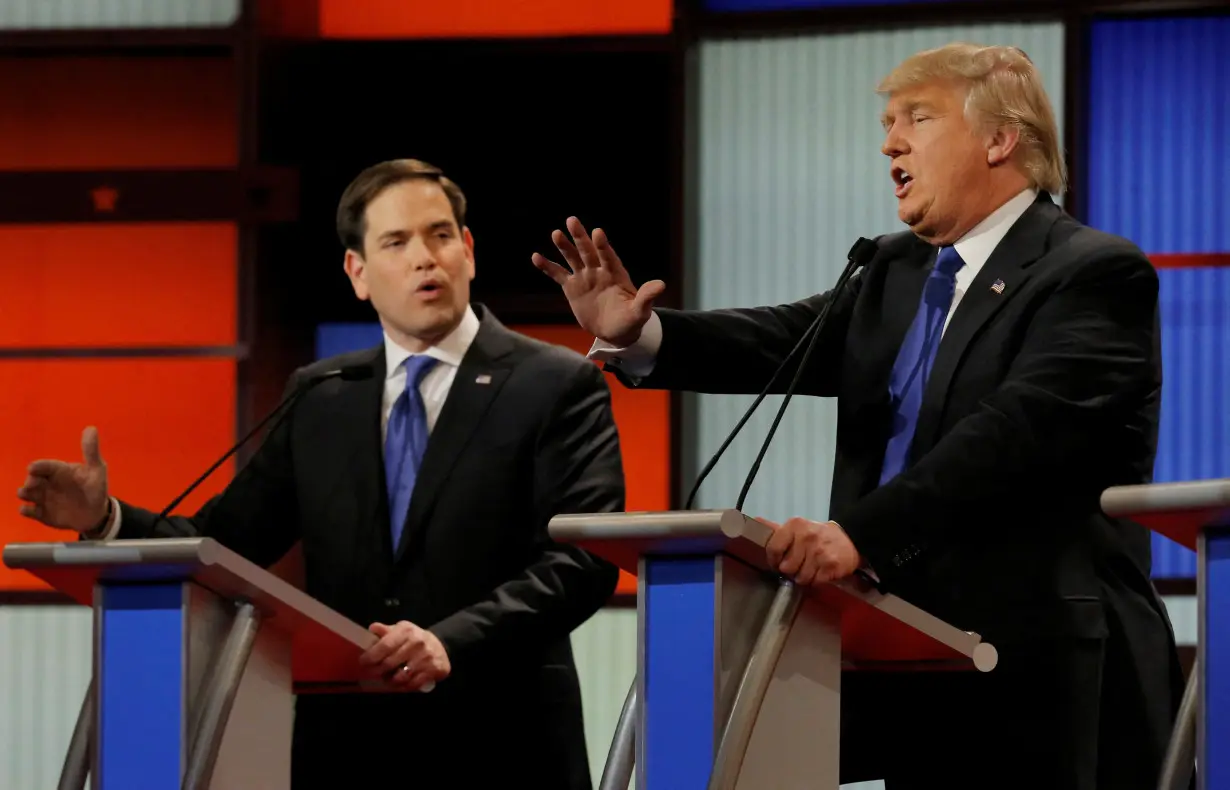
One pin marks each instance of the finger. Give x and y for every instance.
(551, 269)
(606, 253)
(647, 293)
(807, 574)
(410, 652)
(792, 563)
(33, 490)
(585, 245)
(89, 447)
(45, 467)
(31, 511)
(377, 653)
(567, 249)
(777, 546)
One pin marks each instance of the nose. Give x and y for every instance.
(421, 255)
(894, 143)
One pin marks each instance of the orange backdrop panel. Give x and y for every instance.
(67, 113)
(160, 422)
(491, 18)
(643, 419)
(130, 284)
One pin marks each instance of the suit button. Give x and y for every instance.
(392, 603)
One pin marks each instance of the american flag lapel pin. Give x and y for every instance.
(998, 286)
(483, 379)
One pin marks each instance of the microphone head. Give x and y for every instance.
(863, 251)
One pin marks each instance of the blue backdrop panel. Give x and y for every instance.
(679, 672)
(140, 687)
(1216, 635)
(1157, 175)
(334, 339)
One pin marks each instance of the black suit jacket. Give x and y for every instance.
(475, 564)
(1040, 397)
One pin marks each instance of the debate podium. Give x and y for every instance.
(197, 656)
(1194, 514)
(738, 683)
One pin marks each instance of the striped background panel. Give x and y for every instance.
(1157, 176)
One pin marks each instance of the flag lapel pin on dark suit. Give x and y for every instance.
(483, 379)
(998, 286)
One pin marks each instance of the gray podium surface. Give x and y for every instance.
(776, 656)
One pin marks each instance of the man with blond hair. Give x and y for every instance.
(996, 367)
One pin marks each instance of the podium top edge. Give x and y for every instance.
(727, 524)
(153, 551)
(1191, 495)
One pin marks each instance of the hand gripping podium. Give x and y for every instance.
(1194, 514)
(738, 681)
(197, 655)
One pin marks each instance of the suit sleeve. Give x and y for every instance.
(736, 351)
(1068, 403)
(577, 469)
(255, 516)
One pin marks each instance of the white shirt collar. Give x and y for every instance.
(450, 350)
(975, 247)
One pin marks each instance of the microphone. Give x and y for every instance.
(281, 411)
(859, 256)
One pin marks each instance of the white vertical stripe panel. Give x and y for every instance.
(45, 665)
(605, 651)
(790, 174)
(75, 14)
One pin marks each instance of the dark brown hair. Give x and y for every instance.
(352, 208)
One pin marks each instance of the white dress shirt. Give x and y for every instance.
(975, 248)
(434, 387)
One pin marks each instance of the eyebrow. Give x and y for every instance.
(400, 233)
(909, 109)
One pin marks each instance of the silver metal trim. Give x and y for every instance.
(77, 760)
(1200, 669)
(639, 680)
(621, 759)
(1153, 497)
(219, 697)
(96, 659)
(754, 685)
(1180, 758)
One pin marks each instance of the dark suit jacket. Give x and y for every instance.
(1040, 397)
(475, 564)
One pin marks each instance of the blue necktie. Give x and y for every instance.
(405, 442)
(914, 360)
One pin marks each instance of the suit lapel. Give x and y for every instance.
(358, 416)
(482, 373)
(1007, 270)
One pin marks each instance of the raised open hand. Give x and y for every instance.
(600, 292)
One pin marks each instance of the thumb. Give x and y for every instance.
(379, 629)
(89, 447)
(773, 525)
(647, 293)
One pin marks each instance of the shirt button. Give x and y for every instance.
(392, 602)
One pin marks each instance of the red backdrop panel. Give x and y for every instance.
(96, 113)
(491, 18)
(161, 423)
(644, 422)
(129, 284)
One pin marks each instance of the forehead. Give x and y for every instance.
(407, 204)
(939, 95)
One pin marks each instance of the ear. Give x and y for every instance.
(468, 238)
(1002, 144)
(356, 270)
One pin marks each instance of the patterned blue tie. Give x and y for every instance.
(914, 360)
(405, 443)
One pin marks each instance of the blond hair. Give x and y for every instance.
(1004, 89)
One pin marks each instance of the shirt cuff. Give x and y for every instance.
(113, 524)
(636, 360)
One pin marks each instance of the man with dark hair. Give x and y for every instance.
(421, 497)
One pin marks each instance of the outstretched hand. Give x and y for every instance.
(599, 291)
(68, 495)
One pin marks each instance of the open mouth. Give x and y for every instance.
(429, 289)
(902, 179)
